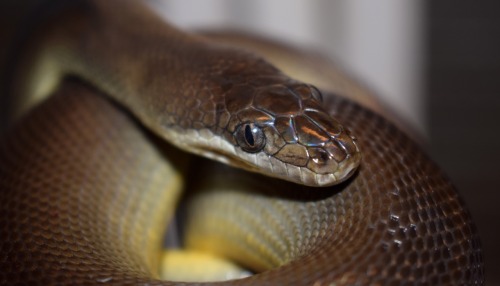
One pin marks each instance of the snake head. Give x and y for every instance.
(283, 131)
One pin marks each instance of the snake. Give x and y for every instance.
(301, 186)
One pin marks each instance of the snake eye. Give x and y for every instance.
(250, 137)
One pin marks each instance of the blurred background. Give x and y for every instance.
(436, 62)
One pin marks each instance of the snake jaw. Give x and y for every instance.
(316, 166)
(220, 149)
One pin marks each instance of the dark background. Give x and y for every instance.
(462, 101)
(463, 105)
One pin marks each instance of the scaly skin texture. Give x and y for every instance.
(85, 197)
(85, 194)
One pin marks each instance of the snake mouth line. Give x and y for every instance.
(311, 179)
(225, 157)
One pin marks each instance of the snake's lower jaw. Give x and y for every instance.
(272, 167)
(302, 175)
(305, 176)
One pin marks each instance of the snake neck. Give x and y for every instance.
(104, 45)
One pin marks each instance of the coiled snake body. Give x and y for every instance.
(86, 193)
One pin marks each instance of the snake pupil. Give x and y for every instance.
(249, 135)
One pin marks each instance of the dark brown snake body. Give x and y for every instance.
(86, 193)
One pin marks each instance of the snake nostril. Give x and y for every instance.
(322, 157)
(321, 161)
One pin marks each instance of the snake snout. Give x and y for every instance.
(352, 159)
(335, 161)
(336, 158)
